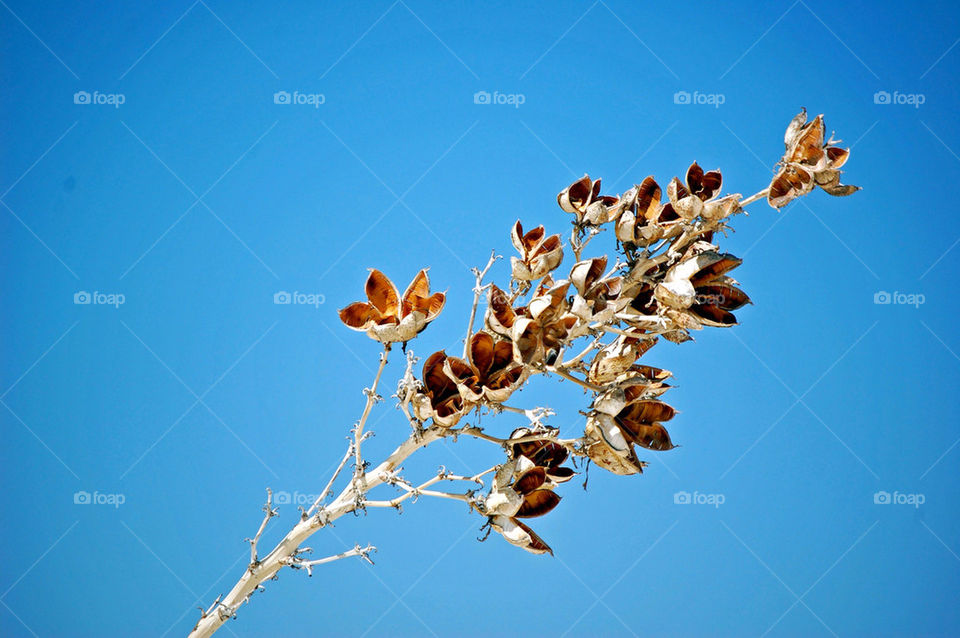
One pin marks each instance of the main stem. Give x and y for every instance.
(267, 568)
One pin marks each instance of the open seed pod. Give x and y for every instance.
(649, 220)
(578, 196)
(617, 357)
(439, 398)
(722, 207)
(687, 205)
(808, 161)
(389, 318)
(698, 285)
(607, 447)
(642, 383)
(640, 421)
(539, 254)
(596, 296)
(490, 375)
(517, 533)
(500, 315)
(543, 453)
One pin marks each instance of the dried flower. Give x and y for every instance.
(439, 399)
(624, 417)
(699, 287)
(539, 335)
(523, 488)
(538, 254)
(809, 161)
(647, 220)
(578, 196)
(388, 318)
(617, 358)
(490, 374)
(596, 295)
(544, 453)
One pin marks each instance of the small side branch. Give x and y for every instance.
(329, 488)
(372, 397)
(581, 382)
(421, 490)
(478, 289)
(298, 563)
(269, 512)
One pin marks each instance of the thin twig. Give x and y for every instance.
(299, 563)
(569, 377)
(372, 397)
(477, 291)
(328, 489)
(269, 513)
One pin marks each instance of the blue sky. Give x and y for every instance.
(199, 197)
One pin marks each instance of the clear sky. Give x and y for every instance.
(177, 185)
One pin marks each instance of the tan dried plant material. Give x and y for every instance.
(386, 316)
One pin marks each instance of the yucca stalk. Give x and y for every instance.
(666, 278)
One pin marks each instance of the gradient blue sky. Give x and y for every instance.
(199, 198)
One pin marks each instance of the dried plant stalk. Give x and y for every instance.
(667, 279)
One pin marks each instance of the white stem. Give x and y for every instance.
(372, 398)
(346, 502)
(477, 291)
(299, 563)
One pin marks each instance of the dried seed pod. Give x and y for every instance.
(539, 254)
(575, 198)
(516, 533)
(439, 399)
(809, 161)
(389, 318)
(607, 447)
